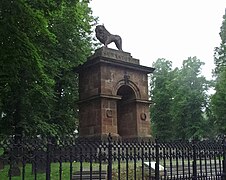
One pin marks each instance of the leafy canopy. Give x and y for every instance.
(179, 97)
(40, 44)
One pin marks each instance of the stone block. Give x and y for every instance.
(107, 121)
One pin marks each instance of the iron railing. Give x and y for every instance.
(80, 158)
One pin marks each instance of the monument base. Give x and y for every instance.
(116, 137)
(102, 137)
(146, 138)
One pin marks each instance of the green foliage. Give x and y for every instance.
(220, 52)
(72, 27)
(41, 43)
(25, 86)
(218, 100)
(189, 100)
(219, 103)
(161, 91)
(180, 99)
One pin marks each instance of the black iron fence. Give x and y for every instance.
(76, 158)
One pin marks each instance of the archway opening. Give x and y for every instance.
(126, 112)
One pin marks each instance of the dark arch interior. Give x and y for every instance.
(126, 93)
(125, 111)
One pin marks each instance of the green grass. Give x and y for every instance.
(130, 173)
(55, 175)
(76, 167)
(30, 176)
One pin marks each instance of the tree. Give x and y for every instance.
(72, 28)
(219, 103)
(25, 85)
(220, 52)
(41, 42)
(218, 100)
(179, 97)
(161, 91)
(189, 100)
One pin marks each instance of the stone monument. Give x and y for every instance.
(113, 95)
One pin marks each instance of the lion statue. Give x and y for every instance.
(106, 38)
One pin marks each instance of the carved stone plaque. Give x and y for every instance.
(115, 54)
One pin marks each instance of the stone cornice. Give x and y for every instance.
(114, 58)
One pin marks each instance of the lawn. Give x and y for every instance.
(119, 170)
(55, 171)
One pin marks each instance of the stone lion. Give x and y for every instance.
(106, 38)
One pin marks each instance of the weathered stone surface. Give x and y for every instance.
(114, 54)
(106, 38)
(113, 91)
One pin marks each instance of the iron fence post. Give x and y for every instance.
(48, 163)
(157, 159)
(109, 157)
(194, 164)
(223, 175)
(14, 169)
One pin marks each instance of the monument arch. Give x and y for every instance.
(131, 84)
(126, 121)
(113, 95)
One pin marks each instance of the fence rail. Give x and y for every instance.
(79, 158)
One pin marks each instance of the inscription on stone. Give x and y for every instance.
(115, 54)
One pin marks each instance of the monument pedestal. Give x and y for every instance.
(113, 96)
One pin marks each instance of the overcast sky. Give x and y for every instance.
(171, 29)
